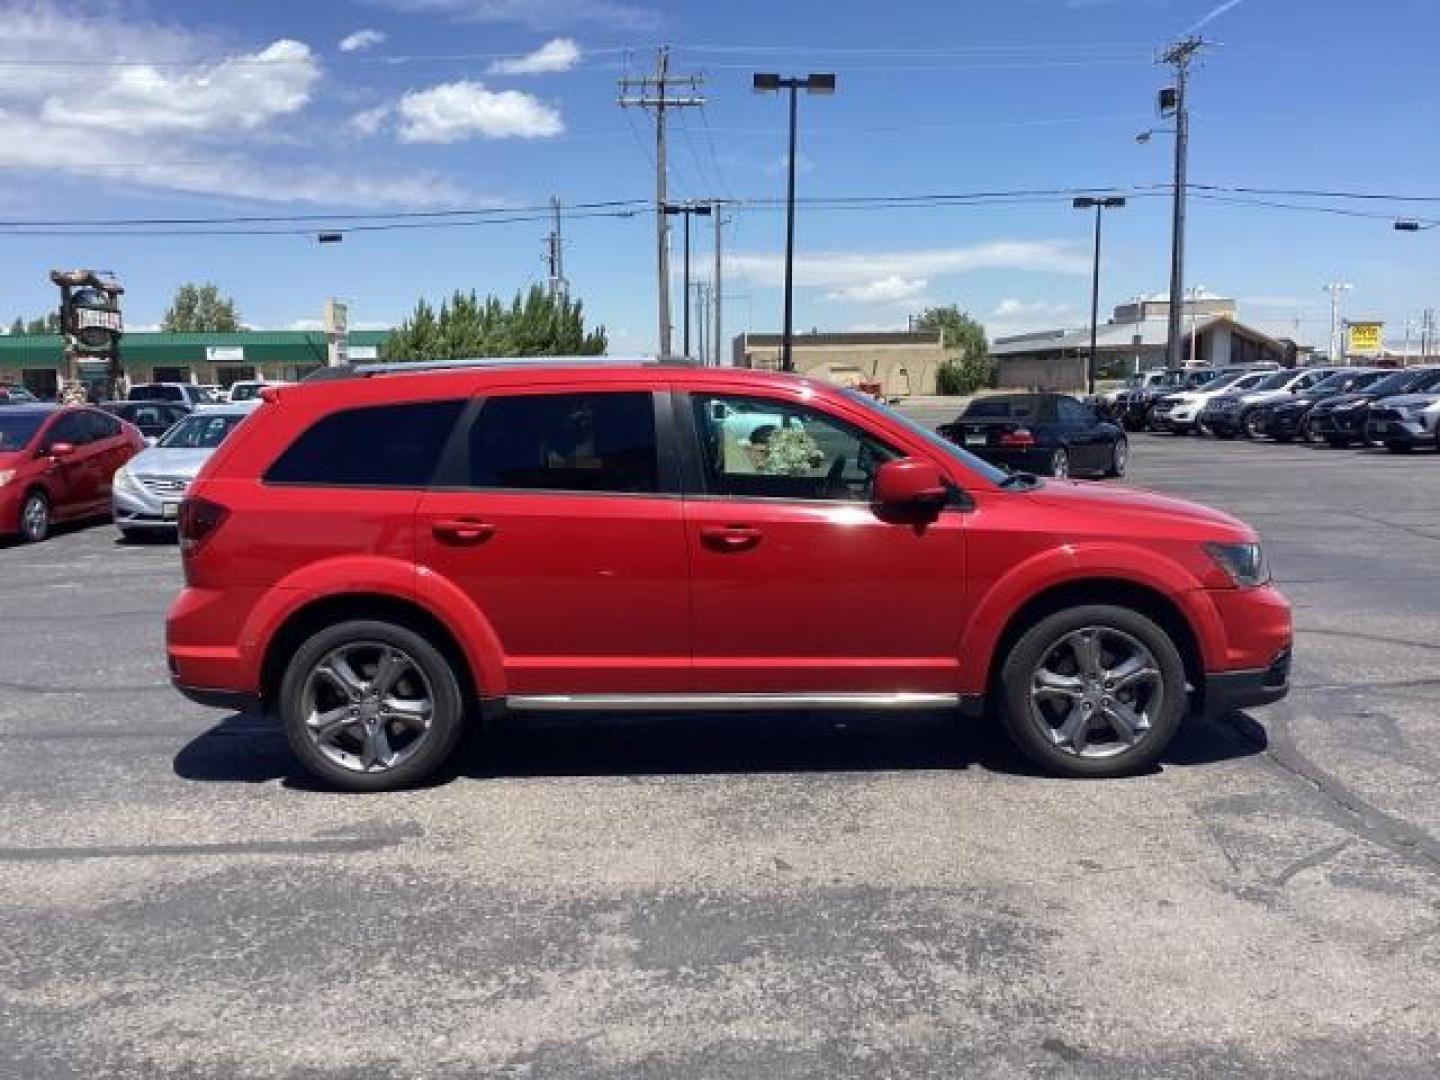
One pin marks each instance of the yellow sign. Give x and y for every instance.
(1364, 339)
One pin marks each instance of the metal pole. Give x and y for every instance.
(715, 331)
(787, 360)
(1094, 308)
(1177, 222)
(1334, 323)
(686, 294)
(662, 222)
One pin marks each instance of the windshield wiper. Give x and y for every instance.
(1020, 481)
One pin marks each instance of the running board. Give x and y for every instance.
(725, 702)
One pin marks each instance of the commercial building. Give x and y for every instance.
(1135, 339)
(34, 360)
(902, 362)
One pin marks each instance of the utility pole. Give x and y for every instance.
(1335, 288)
(1178, 56)
(718, 322)
(702, 309)
(555, 254)
(653, 92)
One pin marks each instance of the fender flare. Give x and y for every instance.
(1074, 564)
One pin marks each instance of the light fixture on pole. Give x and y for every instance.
(329, 237)
(1335, 288)
(769, 83)
(1100, 203)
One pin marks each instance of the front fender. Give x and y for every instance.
(1070, 564)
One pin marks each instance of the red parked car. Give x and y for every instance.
(372, 555)
(56, 464)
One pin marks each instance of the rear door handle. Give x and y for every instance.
(462, 530)
(730, 537)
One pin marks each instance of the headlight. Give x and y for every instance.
(1244, 564)
(6, 475)
(123, 479)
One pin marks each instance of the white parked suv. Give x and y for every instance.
(1180, 413)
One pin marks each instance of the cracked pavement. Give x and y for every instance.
(787, 896)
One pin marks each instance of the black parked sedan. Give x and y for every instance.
(153, 418)
(1053, 434)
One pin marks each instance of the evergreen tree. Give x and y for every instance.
(533, 324)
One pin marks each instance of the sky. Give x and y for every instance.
(204, 109)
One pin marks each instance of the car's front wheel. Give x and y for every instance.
(1093, 691)
(1119, 458)
(371, 706)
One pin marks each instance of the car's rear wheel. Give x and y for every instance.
(1119, 458)
(1060, 464)
(370, 706)
(35, 517)
(1093, 691)
(1337, 441)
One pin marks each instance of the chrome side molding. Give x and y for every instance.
(726, 702)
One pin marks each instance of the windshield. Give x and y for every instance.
(1398, 382)
(945, 446)
(1337, 381)
(155, 393)
(244, 391)
(1020, 407)
(1220, 382)
(200, 431)
(1277, 381)
(17, 429)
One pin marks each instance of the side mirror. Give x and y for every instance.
(61, 450)
(907, 482)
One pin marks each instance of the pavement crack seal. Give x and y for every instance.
(1410, 842)
(331, 846)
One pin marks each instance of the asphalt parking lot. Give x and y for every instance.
(723, 897)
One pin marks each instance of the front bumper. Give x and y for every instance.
(1224, 423)
(10, 499)
(135, 507)
(1227, 691)
(1397, 431)
(1340, 424)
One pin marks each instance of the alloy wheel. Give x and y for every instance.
(35, 517)
(1095, 692)
(367, 706)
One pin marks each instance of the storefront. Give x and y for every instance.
(34, 360)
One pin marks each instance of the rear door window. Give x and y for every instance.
(592, 442)
(382, 446)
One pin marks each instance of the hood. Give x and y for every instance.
(1339, 401)
(1136, 502)
(1411, 401)
(1256, 397)
(161, 461)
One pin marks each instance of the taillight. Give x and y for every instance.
(198, 519)
(1021, 438)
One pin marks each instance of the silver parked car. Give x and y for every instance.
(147, 490)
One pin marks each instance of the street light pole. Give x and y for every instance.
(821, 83)
(1085, 202)
(1335, 288)
(688, 210)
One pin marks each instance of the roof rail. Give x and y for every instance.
(406, 367)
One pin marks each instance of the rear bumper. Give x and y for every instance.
(1035, 459)
(1227, 691)
(234, 700)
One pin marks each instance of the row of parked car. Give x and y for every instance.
(132, 460)
(1396, 408)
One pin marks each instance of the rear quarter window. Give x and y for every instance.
(371, 446)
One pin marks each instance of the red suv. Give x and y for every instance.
(373, 555)
(56, 464)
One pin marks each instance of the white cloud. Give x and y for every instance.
(361, 40)
(886, 290)
(369, 121)
(559, 54)
(460, 110)
(246, 91)
(1009, 308)
(841, 269)
(540, 14)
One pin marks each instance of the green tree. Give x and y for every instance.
(18, 326)
(200, 308)
(533, 324)
(49, 323)
(967, 365)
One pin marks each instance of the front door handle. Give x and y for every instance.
(730, 537)
(462, 530)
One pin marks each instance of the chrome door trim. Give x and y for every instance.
(727, 702)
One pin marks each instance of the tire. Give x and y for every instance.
(1399, 448)
(1037, 717)
(349, 750)
(1119, 458)
(1337, 442)
(1225, 434)
(35, 514)
(1060, 464)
